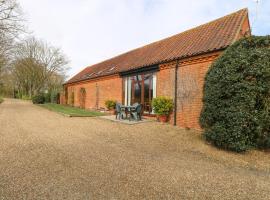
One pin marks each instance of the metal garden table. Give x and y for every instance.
(128, 110)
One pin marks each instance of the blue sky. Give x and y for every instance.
(89, 31)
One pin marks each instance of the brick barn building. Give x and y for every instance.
(174, 67)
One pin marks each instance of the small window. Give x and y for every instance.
(99, 72)
(111, 69)
(88, 75)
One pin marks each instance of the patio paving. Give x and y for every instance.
(126, 121)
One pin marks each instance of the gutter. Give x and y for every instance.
(175, 92)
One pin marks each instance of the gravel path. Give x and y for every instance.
(44, 155)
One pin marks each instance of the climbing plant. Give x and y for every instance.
(82, 97)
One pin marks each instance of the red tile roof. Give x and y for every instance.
(212, 36)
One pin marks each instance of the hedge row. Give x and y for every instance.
(52, 97)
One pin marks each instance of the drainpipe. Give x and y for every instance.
(175, 92)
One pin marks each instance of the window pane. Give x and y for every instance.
(146, 89)
(148, 92)
(137, 91)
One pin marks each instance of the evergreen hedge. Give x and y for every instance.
(236, 111)
(54, 97)
(38, 99)
(47, 97)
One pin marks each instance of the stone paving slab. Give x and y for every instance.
(126, 121)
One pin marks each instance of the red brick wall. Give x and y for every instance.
(166, 82)
(188, 110)
(191, 74)
(62, 98)
(190, 93)
(98, 91)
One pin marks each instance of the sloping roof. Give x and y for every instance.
(215, 35)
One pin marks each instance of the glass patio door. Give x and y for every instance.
(148, 93)
(141, 89)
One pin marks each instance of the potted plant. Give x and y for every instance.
(110, 104)
(162, 107)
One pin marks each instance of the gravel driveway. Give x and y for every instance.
(44, 155)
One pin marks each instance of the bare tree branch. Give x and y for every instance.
(36, 65)
(10, 18)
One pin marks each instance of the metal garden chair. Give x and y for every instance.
(136, 112)
(120, 112)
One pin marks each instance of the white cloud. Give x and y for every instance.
(89, 31)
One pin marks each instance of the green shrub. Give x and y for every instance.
(47, 97)
(236, 111)
(162, 105)
(18, 95)
(110, 104)
(26, 97)
(54, 97)
(38, 99)
(263, 139)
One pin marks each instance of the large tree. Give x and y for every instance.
(36, 66)
(11, 26)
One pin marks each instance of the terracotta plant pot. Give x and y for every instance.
(163, 118)
(112, 111)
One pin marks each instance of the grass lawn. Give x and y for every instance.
(71, 111)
